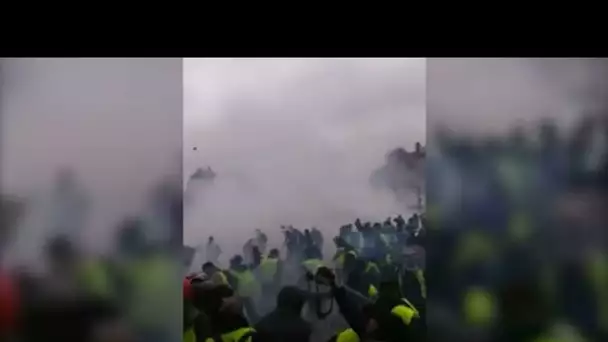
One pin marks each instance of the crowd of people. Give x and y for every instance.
(515, 229)
(517, 235)
(375, 279)
(73, 294)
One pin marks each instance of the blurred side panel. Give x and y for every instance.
(516, 198)
(90, 170)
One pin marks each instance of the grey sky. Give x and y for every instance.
(294, 140)
(117, 122)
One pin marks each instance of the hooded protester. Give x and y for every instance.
(285, 323)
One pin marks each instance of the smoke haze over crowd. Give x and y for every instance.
(115, 122)
(294, 141)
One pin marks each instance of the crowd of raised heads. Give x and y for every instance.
(371, 289)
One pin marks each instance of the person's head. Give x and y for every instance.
(209, 268)
(214, 299)
(291, 298)
(237, 260)
(339, 242)
(61, 253)
(274, 253)
(211, 239)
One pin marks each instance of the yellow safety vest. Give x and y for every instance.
(247, 287)
(223, 279)
(153, 286)
(479, 307)
(407, 312)
(233, 336)
(372, 291)
(371, 267)
(312, 265)
(189, 335)
(268, 269)
(95, 279)
(237, 335)
(348, 335)
(340, 257)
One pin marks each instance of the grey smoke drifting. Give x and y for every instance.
(294, 141)
(491, 95)
(116, 122)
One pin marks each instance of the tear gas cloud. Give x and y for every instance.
(294, 141)
(115, 122)
(492, 95)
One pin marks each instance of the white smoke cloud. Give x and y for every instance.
(491, 95)
(293, 141)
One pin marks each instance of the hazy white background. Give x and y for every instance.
(117, 122)
(293, 141)
(491, 95)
